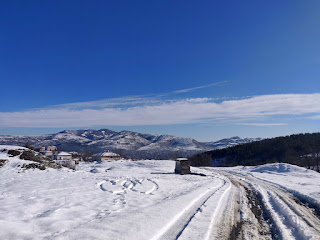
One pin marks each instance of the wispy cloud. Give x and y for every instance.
(193, 110)
(317, 117)
(263, 124)
(129, 101)
(199, 87)
(111, 102)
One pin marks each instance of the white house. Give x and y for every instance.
(52, 148)
(63, 156)
(47, 153)
(106, 155)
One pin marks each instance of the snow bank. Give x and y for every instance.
(278, 168)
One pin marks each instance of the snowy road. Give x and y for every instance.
(146, 200)
(267, 211)
(244, 207)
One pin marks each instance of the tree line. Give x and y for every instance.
(299, 149)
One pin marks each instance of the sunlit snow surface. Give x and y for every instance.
(109, 200)
(124, 199)
(295, 179)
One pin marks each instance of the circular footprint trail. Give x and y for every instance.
(112, 186)
(146, 186)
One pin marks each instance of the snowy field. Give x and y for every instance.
(146, 200)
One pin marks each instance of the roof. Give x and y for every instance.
(63, 154)
(181, 159)
(106, 154)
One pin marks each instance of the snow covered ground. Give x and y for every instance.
(146, 200)
(296, 179)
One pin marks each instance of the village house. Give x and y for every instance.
(49, 151)
(63, 156)
(52, 148)
(106, 155)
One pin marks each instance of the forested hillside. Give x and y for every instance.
(300, 149)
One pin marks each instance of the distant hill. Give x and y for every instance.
(126, 143)
(299, 149)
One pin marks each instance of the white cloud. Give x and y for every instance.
(199, 87)
(111, 102)
(263, 124)
(129, 101)
(168, 112)
(315, 117)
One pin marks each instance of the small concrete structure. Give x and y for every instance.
(182, 166)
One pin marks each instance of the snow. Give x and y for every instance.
(304, 182)
(106, 154)
(144, 200)
(63, 154)
(10, 147)
(126, 140)
(121, 200)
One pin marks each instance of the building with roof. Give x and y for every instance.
(52, 148)
(63, 156)
(47, 153)
(106, 155)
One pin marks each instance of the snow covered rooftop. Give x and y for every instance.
(106, 154)
(63, 154)
(181, 159)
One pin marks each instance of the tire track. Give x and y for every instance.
(175, 228)
(288, 218)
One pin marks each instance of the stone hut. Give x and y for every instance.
(182, 166)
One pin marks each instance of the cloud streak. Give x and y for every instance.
(263, 124)
(199, 87)
(129, 101)
(183, 111)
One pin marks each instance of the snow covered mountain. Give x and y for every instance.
(126, 142)
(230, 142)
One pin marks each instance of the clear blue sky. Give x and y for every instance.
(143, 60)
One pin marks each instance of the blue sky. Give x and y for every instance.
(206, 70)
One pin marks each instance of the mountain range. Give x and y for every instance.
(127, 143)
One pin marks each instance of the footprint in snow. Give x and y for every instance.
(112, 186)
(146, 186)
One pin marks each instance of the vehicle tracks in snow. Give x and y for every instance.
(195, 220)
(275, 212)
